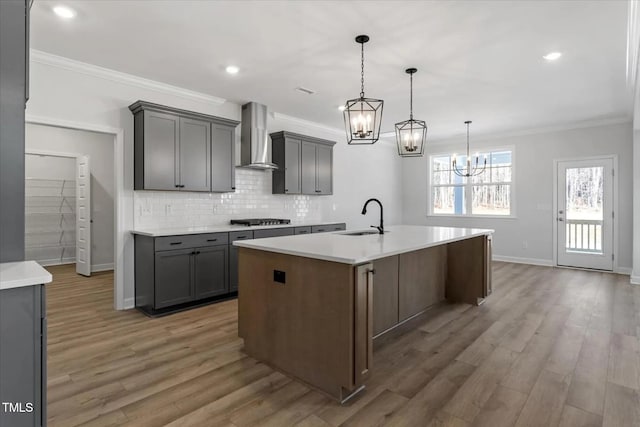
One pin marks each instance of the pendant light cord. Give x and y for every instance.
(362, 71)
(468, 153)
(411, 96)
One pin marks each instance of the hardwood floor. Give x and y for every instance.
(550, 347)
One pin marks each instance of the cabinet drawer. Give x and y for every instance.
(176, 242)
(240, 235)
(212, 239)
(273, 232)
(302, 230)
(327, 228)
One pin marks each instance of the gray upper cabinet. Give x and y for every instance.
(305, 164)
(161, 134)
(223, 156)
(324, 169)
(180, 150)
(195, 155)
(308, 168)
(292, 149)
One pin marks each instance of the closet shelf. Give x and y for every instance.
(44, 246)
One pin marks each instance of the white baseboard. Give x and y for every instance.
(129, 303)
(623, 270)
(518, 260)
(101, 267)
(57, 261)
(635, 279)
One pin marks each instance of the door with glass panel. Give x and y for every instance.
(585, 213)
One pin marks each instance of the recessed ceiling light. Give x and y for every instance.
(552, 56)
(64, 12)
(341, 108)
(232, 69)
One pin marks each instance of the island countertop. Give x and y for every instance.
(342, 248)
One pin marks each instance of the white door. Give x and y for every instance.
(83, 216)
(585, 213)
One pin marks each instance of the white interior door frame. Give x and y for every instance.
(615, 204)
(119, 201)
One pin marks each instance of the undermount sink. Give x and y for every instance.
(361, 233)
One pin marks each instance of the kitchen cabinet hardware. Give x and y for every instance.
(212, 240)
(175, 243)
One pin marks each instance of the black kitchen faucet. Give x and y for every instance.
(364, 211)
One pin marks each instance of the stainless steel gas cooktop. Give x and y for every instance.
(260, 221)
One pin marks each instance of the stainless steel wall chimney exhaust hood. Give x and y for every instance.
(255, 144)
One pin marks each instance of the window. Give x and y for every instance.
(487, 194)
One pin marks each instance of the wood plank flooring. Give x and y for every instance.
(550, 347)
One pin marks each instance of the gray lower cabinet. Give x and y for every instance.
(177, 272)
(273, 232)
(174, 277)
(305, 164)
(23, 357)
(174, 272)
(233, 256)
(302, 230)
(211, 271)
(326, 228)
(178, 150)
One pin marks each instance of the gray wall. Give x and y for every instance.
(529, 236)
(99, 147)
(12, 82)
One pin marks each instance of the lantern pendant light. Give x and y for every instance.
(469, 170)
(362, 116)
(411, 134)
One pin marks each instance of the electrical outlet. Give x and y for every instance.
(167, 209)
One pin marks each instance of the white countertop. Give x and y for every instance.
(23, 273)
(177, 231)
(338, 247)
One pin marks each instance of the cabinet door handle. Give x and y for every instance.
(175, 243)
(212, 240)
(286, 190)
(233, 188)
(318, 191)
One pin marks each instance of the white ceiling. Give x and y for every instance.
(477, 60)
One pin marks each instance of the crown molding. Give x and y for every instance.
(119, 77)
(540, 130)
(306, 123)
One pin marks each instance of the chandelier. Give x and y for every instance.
(410, 134)
(469, 170)
(362, 116)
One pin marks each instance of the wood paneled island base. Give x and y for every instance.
(315, 319)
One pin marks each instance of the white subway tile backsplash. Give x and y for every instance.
(252, 199)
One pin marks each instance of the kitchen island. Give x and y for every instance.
(311, 306)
